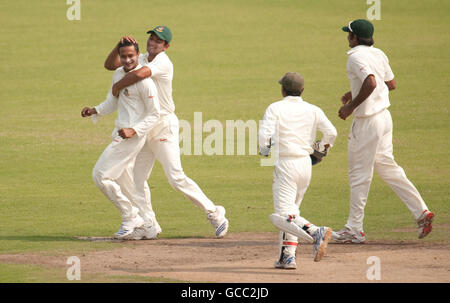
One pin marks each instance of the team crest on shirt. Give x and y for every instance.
(159, 29)
(125, 92)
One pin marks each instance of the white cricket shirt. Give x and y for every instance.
(292, 124)
(364, 61)
(137, 105)
(162, 75)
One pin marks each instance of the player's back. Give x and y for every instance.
(296, 126)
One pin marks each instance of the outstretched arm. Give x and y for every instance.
(87, 112)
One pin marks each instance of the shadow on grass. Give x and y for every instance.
(40, 238)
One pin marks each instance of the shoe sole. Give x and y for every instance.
(352, 241)
(120, 237)
(323, 246)
(427, 226)
(150, 238)
(279, 266)
(282, 267)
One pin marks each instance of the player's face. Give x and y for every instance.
(155, 45)
(128, 57)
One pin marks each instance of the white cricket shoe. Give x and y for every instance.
(218, 221)
(127, 228)
(286, 262)
(424, 223)
(144, 232)
(349, 236)
(157, 227)
(321, 237)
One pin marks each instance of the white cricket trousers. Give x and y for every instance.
(369, 147)
(113, 176)
(162, 144)
(291, 178)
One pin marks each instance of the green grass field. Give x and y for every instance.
(228, 56)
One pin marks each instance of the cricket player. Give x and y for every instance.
(370, 138)
(163, 142)
(138, 112)
(291, 125)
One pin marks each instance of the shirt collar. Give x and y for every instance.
(293, 98)
(357, 48)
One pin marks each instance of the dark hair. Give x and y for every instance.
(293, 93)
(363, 41)
(128, 43)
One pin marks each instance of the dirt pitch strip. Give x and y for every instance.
(249, 257)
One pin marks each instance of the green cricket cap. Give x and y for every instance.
(292, 82)
(163, 32)
(361, 28)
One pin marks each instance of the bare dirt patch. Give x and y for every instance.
(249, 257)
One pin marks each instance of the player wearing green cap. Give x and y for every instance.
(163, 141)
(370, 139)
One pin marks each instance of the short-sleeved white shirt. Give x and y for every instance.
(162, 75)
(364, 61)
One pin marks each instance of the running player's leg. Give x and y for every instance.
(167, 152)
(394, 175)
(362, 145)
(284, 190)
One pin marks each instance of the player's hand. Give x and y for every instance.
(126, 133)
(115, 90)
(347, 97)
(345, 111)
(128, 38)
(87, 111)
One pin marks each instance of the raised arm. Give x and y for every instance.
(112, 62)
